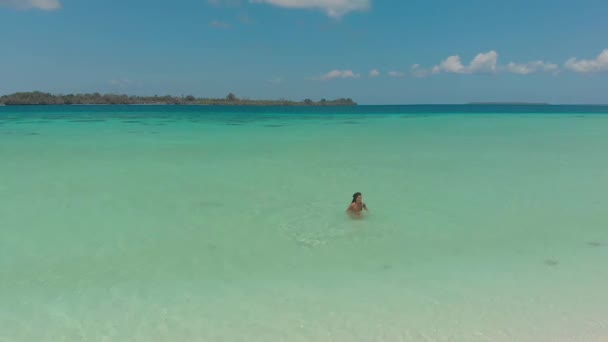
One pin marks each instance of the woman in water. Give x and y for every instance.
(355, 209)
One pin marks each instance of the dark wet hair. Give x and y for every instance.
(355, 195)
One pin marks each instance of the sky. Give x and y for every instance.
(373, 51)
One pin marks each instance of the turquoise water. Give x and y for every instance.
(164, 223)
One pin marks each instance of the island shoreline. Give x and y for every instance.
(41, 98)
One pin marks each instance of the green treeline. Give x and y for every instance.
(40, 98)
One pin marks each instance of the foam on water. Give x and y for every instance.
(182, 223)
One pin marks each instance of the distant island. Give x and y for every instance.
(41, 98)
(510, 103)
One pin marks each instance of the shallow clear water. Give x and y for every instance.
(159, 223)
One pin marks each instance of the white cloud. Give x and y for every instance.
(219, 24)
(451, 64)
(374, 73)
(397, 74)
(419, 71)
(45, 5)
(277, 80)
(482, 63)
(335, 74)
(333, 8)
(600, 63)
(531, 67)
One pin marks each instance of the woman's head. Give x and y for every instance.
(357, 197)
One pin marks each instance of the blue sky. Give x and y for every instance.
(374, 51)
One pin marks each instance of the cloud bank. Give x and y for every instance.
(487, 63)
(45, 5)
(338, 74)
(531, 67)
(482, 63)
(333, 8)
(599, 64)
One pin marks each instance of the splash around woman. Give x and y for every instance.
(356, 207)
